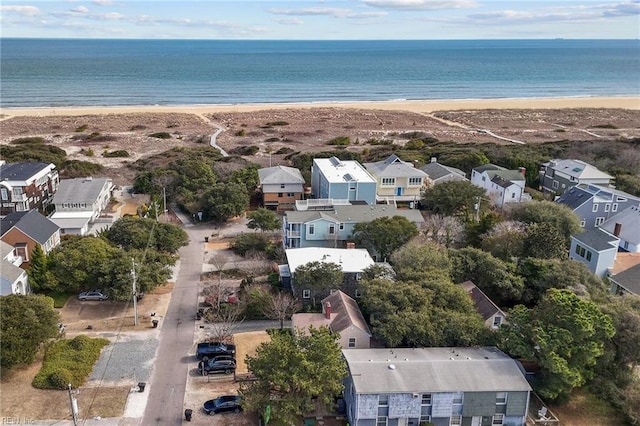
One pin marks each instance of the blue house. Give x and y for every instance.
(346, 180)
(444, 386)
(595, 248)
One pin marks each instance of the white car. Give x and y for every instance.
(92, 295)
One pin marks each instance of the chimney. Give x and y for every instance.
(616, 229)
(327, 310)
(523, 171)
(434, 160)
(351, 245)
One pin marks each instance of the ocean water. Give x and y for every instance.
(72, 72)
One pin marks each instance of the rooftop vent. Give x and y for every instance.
(392, 367)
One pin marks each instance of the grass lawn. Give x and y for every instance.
(59, 297)
(584, 409)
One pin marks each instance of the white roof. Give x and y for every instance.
(72, 215)
(80, 190)
(629, 221)
(578, 169)
(351, 260)
(335, 170)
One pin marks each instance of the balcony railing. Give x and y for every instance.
(539, 414)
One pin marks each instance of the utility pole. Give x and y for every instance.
(74, 406)
(135, 292)
(164, 199)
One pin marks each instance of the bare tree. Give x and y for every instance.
(219, 261)
(445, 230)
(224, 322)
(280, 307)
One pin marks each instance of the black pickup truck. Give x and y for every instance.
(208, 350)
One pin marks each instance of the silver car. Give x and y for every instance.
(92, 295)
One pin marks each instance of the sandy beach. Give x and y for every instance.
(418, 106)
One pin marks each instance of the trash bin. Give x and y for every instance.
(155, 323)
(206, 239)
(141, 386)
(187, 414)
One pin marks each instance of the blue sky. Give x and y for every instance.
(322, 20)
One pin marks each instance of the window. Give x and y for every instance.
(306, 294)
(381, 421)
(456, 420)
(415, 181)
(615, 207)
(501, 398)
(580, 251)
(457, 398)
(513, 195)
(425, 419)
(595, 208)
(582, 223)
(497, 320)
(589, 256)
(332, 228)
(426, 399)
(498, 419)
(388, 181)
(312, 229)
(626, 245)
(622, 199)
(358, 276)
(291, 194)
(282, 185)
(555, 184)
(599, 221)
(4, 193)
(352, 342)
(383, 400)
(279, 194)
(341, 226)
(358, 294)
(484, 179)
(607, 207)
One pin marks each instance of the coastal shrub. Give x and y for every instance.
(250, 242)
(68, 361)
(284, 150)
(414, 144)
(116, 153)
(76, 168)
(245, 150)
(160, 135)
(375, 141)
(88, 152)
(277, 123)
(604, 126)
(340, 141)
(240, 132)
(26, 141)
(33, 152)
(82, 128)
(137, 127)
(272, 140)
(94, 135)
(172, 125)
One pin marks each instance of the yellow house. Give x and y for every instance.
(397, 180)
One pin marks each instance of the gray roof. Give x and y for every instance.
(578, 169)
(434, 370)
(280, 174)
(485, 306)
(80, 190)
(347, 313)
(354, 214)
(629, 220)
(21, 171)
(485, 167)
(31, 223)
(9, 275)
(437, 171)
(393, 166)
(629, 279)
(506, 175)
(597, 239)
(576, 196)
(5, 249)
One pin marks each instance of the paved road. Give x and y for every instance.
(167, 387)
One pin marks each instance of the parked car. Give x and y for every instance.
(223, 358)
(223, 404)
(207, 350)
(92, 295)
(226, 366)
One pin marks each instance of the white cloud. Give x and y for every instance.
(327, 11)
(80, 9)
(102, 2)
(290, 21)
(421, 4)
(20, 10)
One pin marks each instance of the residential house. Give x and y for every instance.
(352, 261)
(595, 248)
(595, 204)
(558, 176)
(626, 282)
(280, 187)
(334, 227)
(346, 180)
(491, 314)
(444, 386)
(24, 230)
(397, 180)
(79, 203)
(439, 173)
(13, 279)
(626, 226)
(26, 186)
(503, 186)
(343, 316)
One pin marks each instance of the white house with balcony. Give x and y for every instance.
(397, 180)
(79, 203)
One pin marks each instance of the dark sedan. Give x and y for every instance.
(224, 404)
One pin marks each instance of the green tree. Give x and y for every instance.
(224, 201)
(557, 215)
(40, 277)
(419, 259)
(496, 278)
(384, 235)
(247, 176)
(27, 322)
(452, 198)
(505, 240)
(318, 277)
(263, 219)
(292, 371)
(250, 243)
(564, 335)
(628, 183)
(142, 233)
(544, 241)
